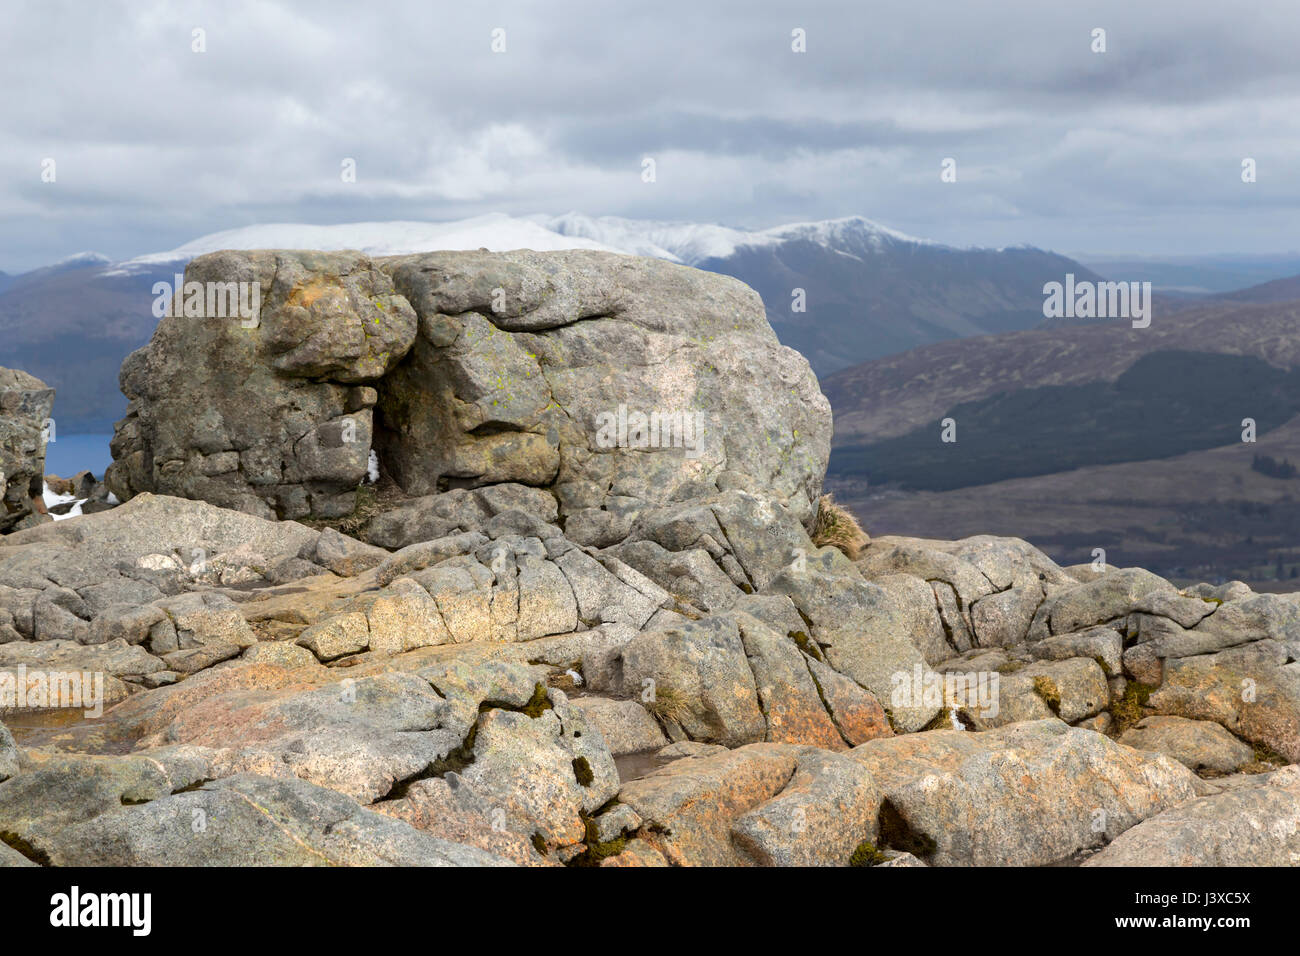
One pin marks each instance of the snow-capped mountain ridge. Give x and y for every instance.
(693, 243)
(83, 259)
(497, 232)
(686, 242)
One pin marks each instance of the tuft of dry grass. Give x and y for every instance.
(836, 526)
(372, 501)
(1128, 710)
(1266, 760)
(1046, 688)
(667, 704)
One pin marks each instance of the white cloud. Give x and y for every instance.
(157, 144)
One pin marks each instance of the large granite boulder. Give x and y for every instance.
(614, 381)
(243, 820)
(1034, 793)
(1254, 824)
(25, 406)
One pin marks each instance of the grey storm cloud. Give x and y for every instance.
(1135, 149)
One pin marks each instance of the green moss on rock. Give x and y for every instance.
(1127, 711)
(582, 770)
(866, 854)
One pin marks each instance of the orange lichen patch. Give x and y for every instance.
(307, 294)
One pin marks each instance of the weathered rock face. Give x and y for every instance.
(613, 381)
(25, 406)
(272, 414)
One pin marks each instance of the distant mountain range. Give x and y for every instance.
(1075, 434)
(1191, 276)
(1279, 290)
(868, 291)
(864, 290)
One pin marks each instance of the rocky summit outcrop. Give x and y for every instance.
(613, 382)
(546, 652)
(25, 406)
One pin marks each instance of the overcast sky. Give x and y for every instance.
(1137, 149)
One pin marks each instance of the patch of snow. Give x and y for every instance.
(687, 242)
(693, 243)
(73, 512)
(372, 468)
(52, 498)
(577, 678)
(84, 259)
(849, 231)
